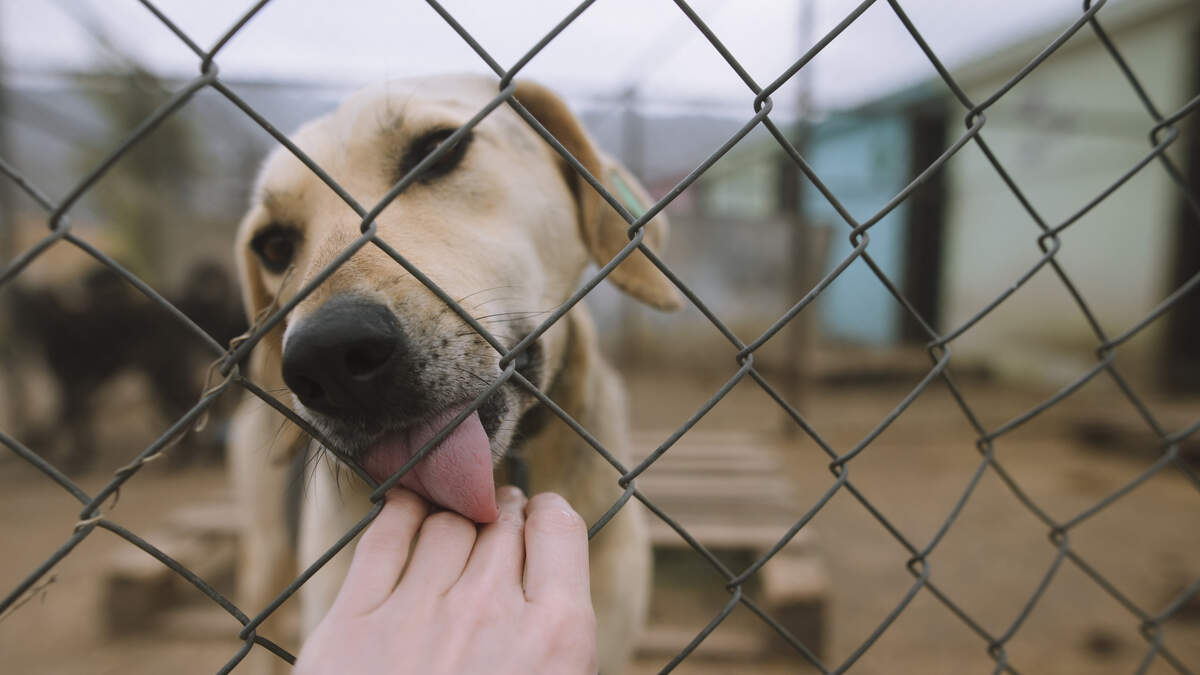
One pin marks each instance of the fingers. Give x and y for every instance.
(556, 551)
(443, 545)
(542, 537)
(381, 553)
(499, 555)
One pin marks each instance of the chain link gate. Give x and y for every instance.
(1162, 129)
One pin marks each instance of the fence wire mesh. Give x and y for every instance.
(1162, 128)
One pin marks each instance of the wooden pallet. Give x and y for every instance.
(731, 494)
(142, 594)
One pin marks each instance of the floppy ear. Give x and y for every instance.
(601, 227)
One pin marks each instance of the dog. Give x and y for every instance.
(377, 363)
(75, 326)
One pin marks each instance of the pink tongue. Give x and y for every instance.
(456, 475)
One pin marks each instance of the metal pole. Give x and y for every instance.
(803, 239)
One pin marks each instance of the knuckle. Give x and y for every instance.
(573, 632)
(481, 609)
(376, 545)
(513, 521)
(573, 618)
(406, 500)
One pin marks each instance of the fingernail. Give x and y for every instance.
(510, 494)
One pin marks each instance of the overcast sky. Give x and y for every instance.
(613, 44)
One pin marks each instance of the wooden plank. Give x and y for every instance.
(137, 587)
(753, 537)
(207, 519)
(727, 642)
(692, 465)
(135, 565)
(738, 507)
(794, 576)
(727, 489)
(729, 509)
(796, 588)
(196, 622)
(704, 487)
(718, 453)
(685, 456)
(751, 461)
(728, 513)
(699, 437)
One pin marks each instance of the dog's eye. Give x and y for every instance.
(276, 246)
(425, 145)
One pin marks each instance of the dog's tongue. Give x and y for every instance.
(456, 475)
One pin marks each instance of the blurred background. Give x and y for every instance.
(91, 372)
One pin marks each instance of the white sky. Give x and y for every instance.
(613, 43)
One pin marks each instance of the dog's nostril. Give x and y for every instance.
(345, 357)
(307, 389)
(367, 356)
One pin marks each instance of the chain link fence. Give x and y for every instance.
(1163, 128)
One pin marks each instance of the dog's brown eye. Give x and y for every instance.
(276, 246)
(425, 145)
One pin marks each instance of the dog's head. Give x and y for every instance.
(500, 222)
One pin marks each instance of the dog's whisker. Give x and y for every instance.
(504, 323)
(514, 315)
(502, 298)
(337, 468)
(308, 471)
(476, 306)
(479, 338)
(483, 290)
(275, 437)
(473, 374)
(275, 392)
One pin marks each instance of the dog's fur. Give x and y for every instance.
(508, 230)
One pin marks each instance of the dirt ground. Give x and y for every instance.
(990, 562)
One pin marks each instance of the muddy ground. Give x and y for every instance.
(990, 562)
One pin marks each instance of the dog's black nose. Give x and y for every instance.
(347, 359)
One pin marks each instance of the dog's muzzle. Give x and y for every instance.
(351, 361)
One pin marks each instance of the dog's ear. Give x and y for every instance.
(602, 228)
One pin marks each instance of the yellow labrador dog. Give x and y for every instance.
(379, 364)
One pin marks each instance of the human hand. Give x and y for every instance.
(508, 597)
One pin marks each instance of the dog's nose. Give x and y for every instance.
(346, 358)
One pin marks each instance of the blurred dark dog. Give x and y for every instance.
(91, 327)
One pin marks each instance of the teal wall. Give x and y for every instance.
(864, 162)
(865, 159)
